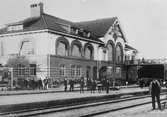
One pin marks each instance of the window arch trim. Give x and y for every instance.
(90, 47)
(121, 50)
(64, 41)
(79, 45)
(110, 42)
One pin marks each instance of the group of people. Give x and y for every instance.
(71, 83)
(92, 85)
(31, 84)
(89, 84)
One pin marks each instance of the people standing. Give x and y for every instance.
(107, 86)
(93, 86)
(82, 85)
(155, 90)
(65, 84)
(45, 82)
(70, 83)
(126, 84)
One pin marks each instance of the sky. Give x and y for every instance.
(144, 22)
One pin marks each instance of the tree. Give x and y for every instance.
(17, 61)
(19, 65)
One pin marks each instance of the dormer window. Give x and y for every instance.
(88, 35)
(66, 27)
(76, 31)
(15, 27)
(80, 32)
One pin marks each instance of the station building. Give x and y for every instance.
(60, 49)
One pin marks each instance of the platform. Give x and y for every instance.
(10, 100)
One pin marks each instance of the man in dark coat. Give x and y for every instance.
(65, 84)
(155, 90)
(82, 85)
(107, 86)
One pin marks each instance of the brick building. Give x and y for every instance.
(60, 48)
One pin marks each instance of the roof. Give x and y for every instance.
(30, 24)
(97, 28)
(128, 47)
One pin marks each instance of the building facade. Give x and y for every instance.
(63, 49)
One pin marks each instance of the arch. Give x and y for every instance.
(62, 46)
(119, 53)
(88, 51)
(110, 48)
(76, 48)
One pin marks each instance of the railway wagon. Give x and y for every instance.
(147, 72)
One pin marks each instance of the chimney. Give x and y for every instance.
(36, 9)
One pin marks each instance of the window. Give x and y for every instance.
(15, 28)
(62, 49)
(32, 69)
(119, 54)
(88, 34)
(62, 70)
(20, 70)
(88, 72)
(88, 50)
(118, 72)
(78, 71)
(73, 70)
(110, 52)
(94, 72)
(62, 46)
(88, 53)
(76, 51)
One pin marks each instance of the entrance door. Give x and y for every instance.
(103, 73)
(88, 71)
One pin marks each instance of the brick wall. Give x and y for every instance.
(57, 61)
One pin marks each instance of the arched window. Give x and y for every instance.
(76, 51)
(110, 52)
(62, 49)
(76, 48)
(62, 46)
(119, 54)
(88, 51)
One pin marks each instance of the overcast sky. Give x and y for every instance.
(144, 22)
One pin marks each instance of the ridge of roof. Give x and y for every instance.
(59, 20)
(97, 20)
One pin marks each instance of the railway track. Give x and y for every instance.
(92, 109)
(95, 113)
